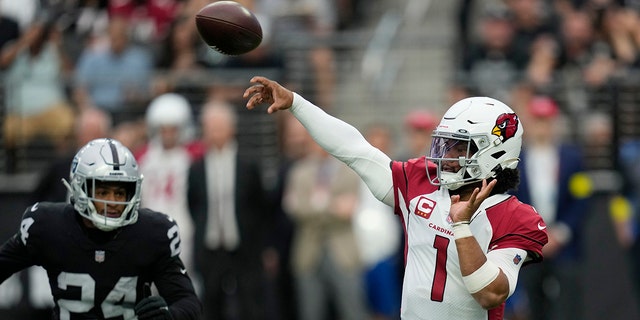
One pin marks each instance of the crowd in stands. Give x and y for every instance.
(569, 50)
(565, 67)
(60, 58)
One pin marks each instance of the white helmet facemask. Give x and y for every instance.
(476, 138)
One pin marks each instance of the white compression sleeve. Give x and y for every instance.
(347, 144)
(504, 259)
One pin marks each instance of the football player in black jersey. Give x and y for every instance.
(101, 251)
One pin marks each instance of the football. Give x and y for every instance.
(228, 27)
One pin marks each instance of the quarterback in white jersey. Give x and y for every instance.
(466, 238)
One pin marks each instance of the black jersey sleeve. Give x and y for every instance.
(168, 272)
(13, 257)
(18, 252)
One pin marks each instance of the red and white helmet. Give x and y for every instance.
(170, 109)
(490, 134)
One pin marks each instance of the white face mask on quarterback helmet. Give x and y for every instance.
(478, 135)
(104, 160)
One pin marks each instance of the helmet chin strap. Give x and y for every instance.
(96, 216)
(103, 227)
(453, 181)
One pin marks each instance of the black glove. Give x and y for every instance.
(153, 308)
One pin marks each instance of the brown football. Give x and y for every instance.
(229, 27)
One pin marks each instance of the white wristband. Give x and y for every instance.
(481, 277)
(461, 230)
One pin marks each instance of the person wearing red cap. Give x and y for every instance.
(419, 125)
(543, 107)
(547, 166)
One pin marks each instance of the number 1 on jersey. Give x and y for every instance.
(440, 273)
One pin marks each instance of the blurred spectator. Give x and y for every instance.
(464, 12)
(520, 97)
(535, 24)
(625, 209)
(24, 12)
(613, 216)
(262, 57)
(456, 92)
(310, 59)
(351, 13)
(179, 49)
(295, 143)
(115, 78)
(295, 140)
(150, 19)
(36, 99)
(227, 203)
(493, 64)
(549, 168)
(419, 125)
(90, 124)
(132, 134)
(9, 32)
(598, 139)
(621, 25)
(164, 162)
(584, 63)
(86, 20)
(180, 46)
(321, 196)
(378, 242)
(532, 19)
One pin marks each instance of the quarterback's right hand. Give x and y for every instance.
(153, 308)
(462, 210)
(269, 92)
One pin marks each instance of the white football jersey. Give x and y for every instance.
(433, 286)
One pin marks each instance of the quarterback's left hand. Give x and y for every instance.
(153, 308)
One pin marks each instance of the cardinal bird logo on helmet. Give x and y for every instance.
(506, 126)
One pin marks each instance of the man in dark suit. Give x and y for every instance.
(226, 200)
